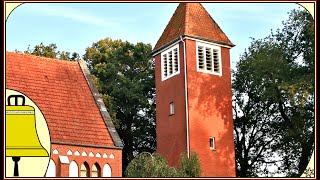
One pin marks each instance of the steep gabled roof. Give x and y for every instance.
(62, 92)
(193, 20)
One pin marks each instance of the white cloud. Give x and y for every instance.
(69, 13)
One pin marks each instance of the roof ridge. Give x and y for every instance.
(168, 23)
(217, 24)
(185, 18)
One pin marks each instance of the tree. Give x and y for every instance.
(50, 51)
(273, 91)
(75, 56)
(154, 165)
(124, 74)
(64, 55)
(43, 51)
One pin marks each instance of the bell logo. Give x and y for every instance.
(27, 137)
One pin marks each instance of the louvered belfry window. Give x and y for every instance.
(208, 58)
(170, 65)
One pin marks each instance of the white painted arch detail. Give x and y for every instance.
(73, 169)
(106, 172)
(105, 155)
(111, 156)
(84, 153)
(91, 154)
(51, 171)
(77, 153)
(55, 151)
(98, 155)
(69, 152)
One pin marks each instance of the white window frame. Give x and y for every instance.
(166, 53)
(171, 109)
(212, 47)
(214, 143)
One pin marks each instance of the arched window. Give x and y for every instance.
(84, 170)
(106, 170)
(51, 171)
(73, 169)
(96, 170)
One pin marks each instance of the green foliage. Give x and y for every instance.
(190, 167)
(124, 75)
(273, 91)
(50, 51)
(64, 55)
(148, 165)
(153, 165)
(45, 51)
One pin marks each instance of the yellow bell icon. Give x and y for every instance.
(21, 134)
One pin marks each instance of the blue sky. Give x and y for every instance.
(75, 26)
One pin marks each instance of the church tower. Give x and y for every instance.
(193, 91)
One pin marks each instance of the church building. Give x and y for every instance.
(193, 90)
(84, 141)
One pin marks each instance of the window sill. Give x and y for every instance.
(210, 72)
(170, 76)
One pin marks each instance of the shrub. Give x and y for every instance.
(154, 165)
(190, 167)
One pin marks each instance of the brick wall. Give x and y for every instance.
(210, 115)
(63, 169)
(171, 130)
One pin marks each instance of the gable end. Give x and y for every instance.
(102, 108)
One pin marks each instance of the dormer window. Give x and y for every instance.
(209, 59)
(170, 65)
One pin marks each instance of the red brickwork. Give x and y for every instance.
(63, 169)
(171, 129)
(210, 115)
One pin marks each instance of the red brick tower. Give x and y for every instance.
(193, 88)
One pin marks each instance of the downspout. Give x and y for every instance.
(186, 94)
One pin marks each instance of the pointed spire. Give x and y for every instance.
(193, 20)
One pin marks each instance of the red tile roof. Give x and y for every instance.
(193, 20)
(60, 90)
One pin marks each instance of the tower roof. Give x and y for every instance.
(191, 19)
